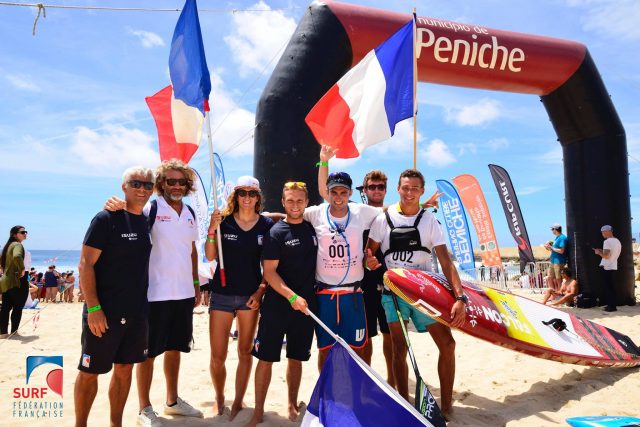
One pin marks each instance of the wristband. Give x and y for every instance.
(321, 163)
(196, 282)
(293, 298)
(210, 240)
(94, 308)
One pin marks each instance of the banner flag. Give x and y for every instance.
(349, 394)
(513, 214)
(455, 221)
(473, 200)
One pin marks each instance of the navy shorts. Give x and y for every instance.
(228, 303)
(125, 342)
(343, 312)
(170, 326)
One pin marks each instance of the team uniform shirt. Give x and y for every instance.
(615, 247)
(333, 255)
(559, 243)
(122, 270)
(242, 252)
(170, 267)
(431, 235)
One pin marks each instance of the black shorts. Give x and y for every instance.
(206, 286)
(274, 325)
(170, 326)
(374, 311)
(123, 343)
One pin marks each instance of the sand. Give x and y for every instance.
(494, 386)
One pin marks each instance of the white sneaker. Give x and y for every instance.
(182, 408)
(149, 418)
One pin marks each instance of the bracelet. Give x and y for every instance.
(293, 298)
(94, 308)
(196, 282)
(321, 163)
(210, 240)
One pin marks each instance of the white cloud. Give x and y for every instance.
(437, 154)
(497, 143)
(22, 82)
(525, 191)
(614, 18)
(484, 111)
(147, 38)
(553, 156)
(256, 38)
(468, 147)
(399, 144)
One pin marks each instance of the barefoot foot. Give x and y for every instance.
(235, 408)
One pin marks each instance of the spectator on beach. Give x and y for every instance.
(609, 253)
(243, 230)
(14, 284)
(483, 269)
(289, 258)
(557, 257)
(567, 292)
(413, 250)
(68, 290)
(114, 269)
(51, 284)
(62, 285)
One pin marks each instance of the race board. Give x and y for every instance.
(516, 322)
(604, 421)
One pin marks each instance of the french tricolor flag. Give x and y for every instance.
(179, 108)
(363, 107)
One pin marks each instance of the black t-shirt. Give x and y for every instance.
(373, 278)
(295, 247)
(242, 251)
(122, 270)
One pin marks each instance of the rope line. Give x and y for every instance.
(138, 9)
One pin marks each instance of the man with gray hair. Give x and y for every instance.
(609, 253)
(114, 270)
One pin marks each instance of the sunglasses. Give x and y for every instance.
(245, 193)
(136, 183)
(23, 232)
(380, 187)
(173, 181)
(292, 184)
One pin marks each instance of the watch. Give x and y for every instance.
(463, 298)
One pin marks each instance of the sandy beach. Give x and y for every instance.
(494, 386)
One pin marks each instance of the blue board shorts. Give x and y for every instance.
(343, 312)
(419, 319)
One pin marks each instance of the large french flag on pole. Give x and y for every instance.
(179, 109)
(363, 107)
(349, 394)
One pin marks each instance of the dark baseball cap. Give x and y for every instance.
(339, 179)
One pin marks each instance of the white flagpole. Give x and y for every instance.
(415, 94)
(214, 186)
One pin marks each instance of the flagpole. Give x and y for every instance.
(415, 94)
(214, 188)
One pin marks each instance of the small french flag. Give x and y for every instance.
(364, 106)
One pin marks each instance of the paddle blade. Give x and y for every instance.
(427, 406)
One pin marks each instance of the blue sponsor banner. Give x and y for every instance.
(455, 221)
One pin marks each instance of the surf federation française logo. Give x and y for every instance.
(37, 400)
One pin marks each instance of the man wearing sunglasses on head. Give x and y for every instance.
(114, 269)
(174, 286)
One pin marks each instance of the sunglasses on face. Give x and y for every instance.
(23, 232)
(136, 183)
(182, 182)
(292, 184)
(245, 193)
(380, 187)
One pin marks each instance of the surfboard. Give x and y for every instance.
(516, 322)
(604, 421)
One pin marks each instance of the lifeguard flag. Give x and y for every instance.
(179, 108)
(364, 106)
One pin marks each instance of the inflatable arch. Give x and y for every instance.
(332, 37)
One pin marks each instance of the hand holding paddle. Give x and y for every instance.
(372, 262)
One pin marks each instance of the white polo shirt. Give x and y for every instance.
(333, 258)
(615, 247)
(170, 267)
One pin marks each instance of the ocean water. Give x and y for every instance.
(64, 260)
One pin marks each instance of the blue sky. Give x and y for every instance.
(74, 116)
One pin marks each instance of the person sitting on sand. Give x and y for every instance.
(568, 290)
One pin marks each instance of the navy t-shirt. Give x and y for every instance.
(122, 270)
(295, 247)
(242, 251)
(50, 279)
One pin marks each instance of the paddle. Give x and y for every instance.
(425, 403)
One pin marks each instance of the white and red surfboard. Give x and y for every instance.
(516, 322)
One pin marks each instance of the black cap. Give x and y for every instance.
(339, 179)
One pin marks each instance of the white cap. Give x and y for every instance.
(556, 226)
(606, 228)
(247, 181)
